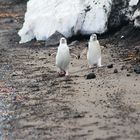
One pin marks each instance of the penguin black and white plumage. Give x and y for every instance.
(63, 58)
(94, 51)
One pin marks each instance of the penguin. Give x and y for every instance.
(94, 51)
(63, 58)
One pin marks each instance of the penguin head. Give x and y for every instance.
(93, 37)
(63, 41)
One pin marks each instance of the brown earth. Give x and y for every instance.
(36, 104)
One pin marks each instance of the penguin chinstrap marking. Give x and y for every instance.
(63, 58)
(94, 51)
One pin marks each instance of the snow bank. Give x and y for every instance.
(133, 2)
(69, 17)
(136, 16)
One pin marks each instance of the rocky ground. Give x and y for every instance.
(37, 104)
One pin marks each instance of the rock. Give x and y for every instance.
(78, 57)
(86, 44)
(6, 20)
(53, 40)
(137, 69)
(110, 66)
(130, 69)
(118, 14)
(49, 54)
(91, 76)
(115, 71)
(78, 115)
(128, 75)
(123, 67)
(122, 37)
(137, 49)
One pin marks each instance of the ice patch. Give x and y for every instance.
(69, 17)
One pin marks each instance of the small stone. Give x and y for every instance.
(49, 54)
(6, 20)
(137, 49)
(115, 71)
(122, 37)
(137, 69)
(91, 76)
(137, 60)
(86, 44)
(128, 75)
(110, 66)
(78, 57)
(123, 67)
(130, 70)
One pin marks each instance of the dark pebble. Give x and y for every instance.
(137, 69)
(91, 76)
(137, 49)
(110, 66)
(115, 71)
(49, 54)
(78, 57)
(86, 44)
(123, 67)
(128, 75)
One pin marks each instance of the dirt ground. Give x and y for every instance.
(36, 104)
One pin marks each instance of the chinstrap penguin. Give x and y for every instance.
(94, 51)
(63, 58)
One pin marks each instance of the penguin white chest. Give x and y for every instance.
(93, 53)
(63, 57)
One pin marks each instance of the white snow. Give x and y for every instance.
(96, 20)
(136, 14)
(136, 19)
(133, 2)
(45, 17)
(133, 15)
